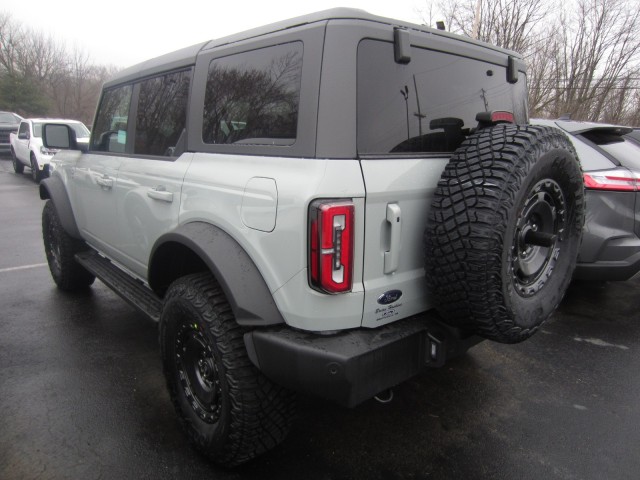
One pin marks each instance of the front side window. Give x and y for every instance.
(23, 131)
(252, 98)
(430, 104)
(162, 114)
(110, 132)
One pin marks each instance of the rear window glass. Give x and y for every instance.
(253, 97)
(627, 152)
(430, 104)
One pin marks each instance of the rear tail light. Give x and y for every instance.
(331, 245)
(620, 180)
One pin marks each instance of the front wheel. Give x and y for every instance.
(18, 167)
(504, 230)
(229, 410)
(60, 249)
(36, 174)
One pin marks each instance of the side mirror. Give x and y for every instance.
(23, 136)
(60, 137)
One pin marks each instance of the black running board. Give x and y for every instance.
(132, 290)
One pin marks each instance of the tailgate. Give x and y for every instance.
(399, 193)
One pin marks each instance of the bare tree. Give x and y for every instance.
(583, 61)
(41, 55)
(601, 48)
(39, 75)
(11, 39)
(504, 23)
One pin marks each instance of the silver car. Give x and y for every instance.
(610, 160)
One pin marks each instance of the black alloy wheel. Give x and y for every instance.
(536, 243)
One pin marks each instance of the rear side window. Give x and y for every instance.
(430, 104)
(252, 98)
(162, 113)
(110, 130)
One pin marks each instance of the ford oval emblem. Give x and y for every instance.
(389, 297)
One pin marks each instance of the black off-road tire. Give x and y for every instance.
(36, 174)
(504, 231)
(18, 167)
(230, 411)
(60, 249)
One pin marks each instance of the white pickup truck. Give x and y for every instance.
(27, 148)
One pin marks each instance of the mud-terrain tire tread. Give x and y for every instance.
(70, 276)
(468, 225)
(256, 413)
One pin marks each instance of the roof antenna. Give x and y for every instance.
(440, 25)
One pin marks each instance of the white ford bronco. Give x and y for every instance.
(326, 205)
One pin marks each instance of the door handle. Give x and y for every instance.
(105, 182)
(160, 193)
(392, 256)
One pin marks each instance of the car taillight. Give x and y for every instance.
(331, 245)
(620, 180)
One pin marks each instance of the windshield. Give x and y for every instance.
(8, 118)
(81, 130)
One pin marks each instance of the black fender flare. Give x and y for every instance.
(53, 188)
(242, 283)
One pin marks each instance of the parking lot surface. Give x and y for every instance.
(82, 393)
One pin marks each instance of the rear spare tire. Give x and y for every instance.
(504, 230)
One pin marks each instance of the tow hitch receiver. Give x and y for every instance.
(352, 366)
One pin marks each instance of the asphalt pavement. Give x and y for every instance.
(82, 394)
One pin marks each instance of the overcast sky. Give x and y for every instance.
(125, 33)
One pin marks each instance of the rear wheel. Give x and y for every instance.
(229, 410)
(504, 230)
(18, 167)
(60, 249)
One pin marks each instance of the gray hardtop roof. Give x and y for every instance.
(187, 56)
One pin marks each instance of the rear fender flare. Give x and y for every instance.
(242, 283)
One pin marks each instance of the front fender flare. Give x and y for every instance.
(53, 188)
(237, 274)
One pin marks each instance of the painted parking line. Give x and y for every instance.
(23, 267)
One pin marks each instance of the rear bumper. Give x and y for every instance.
(352, 366)
(612, 270)
(610, 244)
